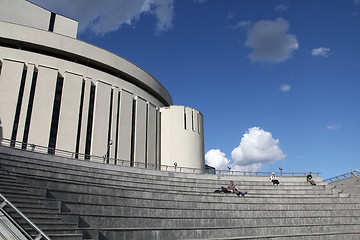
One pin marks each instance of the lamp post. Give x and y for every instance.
(280, 168)
(175, 164)
(229, 167)
(106, 155)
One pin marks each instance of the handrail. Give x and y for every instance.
(104, 159)
(41, 234)
(343, 176)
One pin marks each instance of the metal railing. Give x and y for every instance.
(343, 176)
(40, 234)
(265, 174)
(106, 160)
(100, 159)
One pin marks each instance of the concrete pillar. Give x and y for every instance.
(69, 112)
(39, 131)
(125, 126)
(99, 139)
(151, 135)
(140, 131)
(10, 81)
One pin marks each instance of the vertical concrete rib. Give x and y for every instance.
(39, 131)
(69, 112)
(10, 80)
(99, 139)
(125, 123)
(140, 131)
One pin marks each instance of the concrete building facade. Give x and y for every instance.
(62, 93)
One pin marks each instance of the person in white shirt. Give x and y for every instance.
(274, 180)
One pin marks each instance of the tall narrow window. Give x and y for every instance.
(18, 107)
(133, 125)
(146, 134)
(52, 22)
(198, 119)
(29, 108)
(117, 126)
(55, 115)
(184, 118)
(109, 141)
(90, 122)
(80, 120)
(192, 120)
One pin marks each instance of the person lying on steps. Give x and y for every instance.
(232, 189)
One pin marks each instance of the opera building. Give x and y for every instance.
(65, 95)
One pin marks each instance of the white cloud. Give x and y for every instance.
(282, 7)
(270, 41)
(101, 17)
(357, 2)
(333, 127)
(217, 159)
(200, 1)
(257, 147)
(321, 51)
(241, 24)
(285, 88)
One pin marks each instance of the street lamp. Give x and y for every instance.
(175, 164)
(229, 167)
(280, 168)
(106, 155)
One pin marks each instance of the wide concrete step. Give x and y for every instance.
(181, 222)
(299, 236)
(159, 199)
(141, 211)
(224, 232)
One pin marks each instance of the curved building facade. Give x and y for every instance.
(62, 93)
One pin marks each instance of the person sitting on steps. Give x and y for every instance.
(274, 180)
(310, 179)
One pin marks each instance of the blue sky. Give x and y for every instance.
(278, 82)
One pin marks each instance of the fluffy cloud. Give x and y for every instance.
(256, 148)
(321, 51)
(282, 7)
(285, 88)
(217, 159)
(102, 17)
(270, 41)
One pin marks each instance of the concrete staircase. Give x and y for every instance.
(45, 213)
(113, 202)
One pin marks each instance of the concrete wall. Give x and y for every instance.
(28, 14)
(18, 66)
(182, 137)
